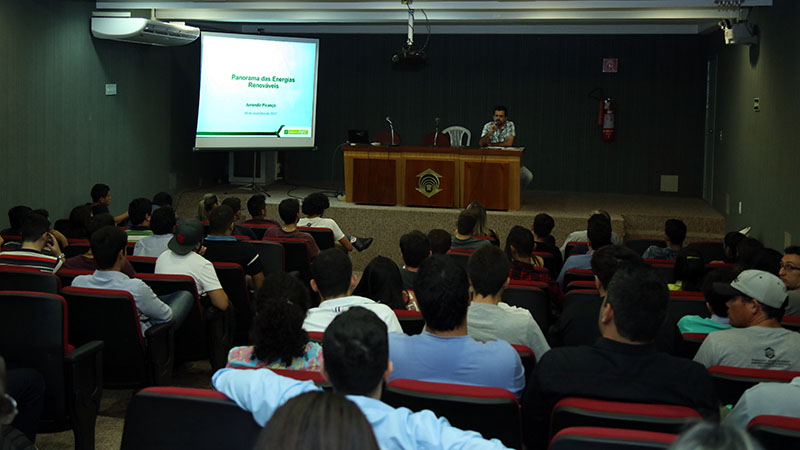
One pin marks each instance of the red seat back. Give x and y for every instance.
(411, 321)
(731, 382)
(598, 438)
(776, 432)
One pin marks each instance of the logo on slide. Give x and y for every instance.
(428, 183)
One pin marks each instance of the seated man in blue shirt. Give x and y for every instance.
(444, 352)
(598, 232)
(108, 248)
(675, 231)
(356, 352)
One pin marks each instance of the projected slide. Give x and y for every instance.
(256, 92)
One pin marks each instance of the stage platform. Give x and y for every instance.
(631, 215)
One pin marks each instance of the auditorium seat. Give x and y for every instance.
(143, 264)
(578, 275)
(315, 336)
(67, 275)
(259, 229)
(295, 256)
(731, 382)
(582, 295)
(597, 438)
(527, 357)
(689, 344)
(322, 236)
(166, 418)
(575, 248)
(28, 279)
(461, 255)
(129, 248)
(305, 375)
(776, 432)
(191, 342)
(34, 334)
(532, 297)
(664, 267)
(411, 321)
(491, 411)
(791, 323)
(234, 282)
(588, 412)
(271, 255)
(549, 262)
(130, 359)
(580, 284)
(640, 245)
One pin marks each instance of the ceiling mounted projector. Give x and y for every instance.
(143, 31)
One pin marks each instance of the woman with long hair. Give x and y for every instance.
(481, 227)
(383, 283)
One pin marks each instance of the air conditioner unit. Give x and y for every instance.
(143, 31)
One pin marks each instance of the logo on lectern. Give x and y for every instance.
(428, 183)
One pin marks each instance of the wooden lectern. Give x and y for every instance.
(436, 177)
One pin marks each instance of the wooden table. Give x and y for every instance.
(435, 177)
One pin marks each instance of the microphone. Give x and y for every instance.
(436, 132)
(391, 128)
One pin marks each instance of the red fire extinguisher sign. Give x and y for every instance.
(608, 119)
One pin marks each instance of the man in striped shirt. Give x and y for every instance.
(36, 238)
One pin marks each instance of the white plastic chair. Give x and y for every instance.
(456, 134)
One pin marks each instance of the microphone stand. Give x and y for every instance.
(436, 133)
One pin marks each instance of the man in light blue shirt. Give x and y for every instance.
(162, 222)
(444, 352)
(108, 248)
(356, 353)
(675, 231)
(598, 231)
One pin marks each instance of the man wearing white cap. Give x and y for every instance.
(757, 340)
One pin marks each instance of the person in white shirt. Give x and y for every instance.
(332, 277)
(488, 318)
(184, 257)
(775, 399)
(313, 206)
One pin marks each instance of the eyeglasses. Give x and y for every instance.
(787, 267)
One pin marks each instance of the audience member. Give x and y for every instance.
(257, 207)
(221, 246)
(15, 216)
(675, 233)
(440, 241)
(729, 244)
(289, 210)
(139, 212)
(356, 353)
(766, 398)
(688, 270)
(333, 279)
(382, 282)
(108, 248)
(583, 235)
(185, 258)
(414, 247)
(577, 324)
(235, 204)
(598, 233)
(716, 304)
(768, 260)
(790, 275)
(279, 341)
(465, 226)
(329, 422)
(204, 207)
(519, 249)
(481, 228)
(623, 365)
(162, 223)
(86, 261)
(101, 198)
(314, 205)
(36, 238)
(544, 241)
(444, 352)
(757, 340)
(161, 200)
(78, 222)
(488, 317)
(714, 436)
(747, 253)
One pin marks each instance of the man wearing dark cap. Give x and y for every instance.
(185, 258)
(757, 340)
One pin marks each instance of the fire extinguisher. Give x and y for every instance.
(606, 119)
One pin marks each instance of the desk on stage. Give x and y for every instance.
(449, 177)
